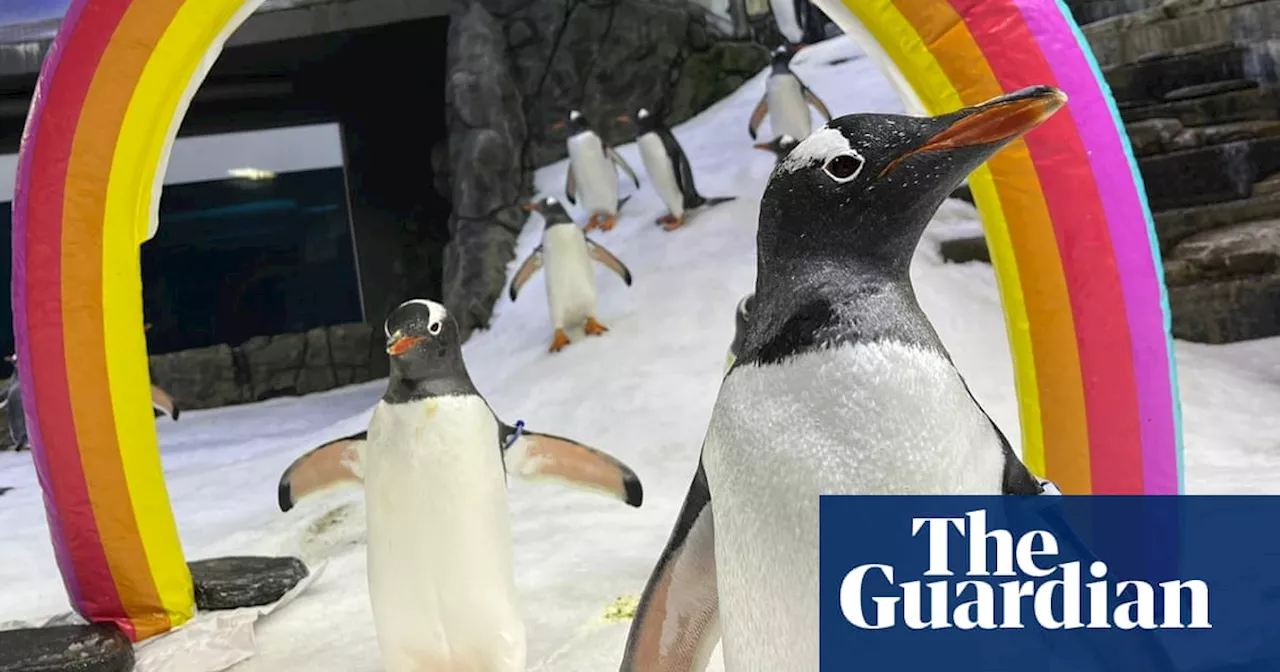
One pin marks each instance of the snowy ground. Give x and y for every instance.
(644, 392)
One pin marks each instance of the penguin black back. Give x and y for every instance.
(844, 211)
(426, 354)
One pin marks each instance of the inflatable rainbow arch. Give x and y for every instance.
(1068, 226)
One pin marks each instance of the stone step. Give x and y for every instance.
(1226, 311)
(1177, 24)
(1158, 136)
(1174, 226)
(1251, 248)
(1086, 12)
(1256, 104)
(1148, 80)
(1210, 174)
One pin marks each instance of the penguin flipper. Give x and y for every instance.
(163, 403)
(1016, 479)
(570, 186)
(622, 163)
(683, 171)
(813, 99)
(677, 625)
(611, 262)
(757, 116)
(335, 463)
(531, 265)
(534, 456)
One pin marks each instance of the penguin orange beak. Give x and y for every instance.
(558, 125)
(998, 120)
(401, 344)
(529, 207)
(624, 118)
(763, 145)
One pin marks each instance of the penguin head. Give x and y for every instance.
(645, 121)
(780, 146)
(865, 186)
(577, 122)
(552, 211)
(782, 57)
(423, 343)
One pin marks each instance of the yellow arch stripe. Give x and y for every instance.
(174, 70)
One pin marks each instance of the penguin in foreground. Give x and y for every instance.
(740, 317)
(786, 100)
(591, 173)
(841, 386)
(668, 169)
(571, 283)
(439, 532)
(779, 146)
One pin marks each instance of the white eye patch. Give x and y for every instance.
(820, 147)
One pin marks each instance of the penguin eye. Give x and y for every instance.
(844, 167)
(434, 328)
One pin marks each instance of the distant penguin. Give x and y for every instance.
(797, 20)
(779, 146)
(740, 317)
(440, 562)
(13, 408)
(668, 169)
(591, 173)
(571, 282)
(786, 100)
(835, 372)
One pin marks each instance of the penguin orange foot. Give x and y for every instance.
(594, 328)
(560, 341)
(606, 223)
(593, 223)
(675, 223)
(665, 219)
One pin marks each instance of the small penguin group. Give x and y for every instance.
(832, 366)
(592, 163)
(434, 463)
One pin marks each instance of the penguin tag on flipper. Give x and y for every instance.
(534, 456)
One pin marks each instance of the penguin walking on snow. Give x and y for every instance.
(786, 100)
(571, 284)
(440, 550)
(591, 173)
(668, 169)
(779, 146)
(836, 369)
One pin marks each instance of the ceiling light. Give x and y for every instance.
(251, 173)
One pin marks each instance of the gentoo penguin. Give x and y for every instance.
(13, 408)
(668, 169)
(332, 464)
(797, 20)
(786, 100)
(571, 284)
(439, 532)
(591, 173)
(780, 146)
(740, 317)
(841, 386)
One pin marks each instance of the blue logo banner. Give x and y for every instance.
(1070, 584)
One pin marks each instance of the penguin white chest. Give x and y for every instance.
(788, 111)
(571, 284)
(880, 418)
(661, 171)
(593, 172)
(439, 535)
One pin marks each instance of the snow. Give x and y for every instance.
(643, 392)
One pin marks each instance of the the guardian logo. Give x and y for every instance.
(1064, 601)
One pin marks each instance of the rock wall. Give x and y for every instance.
(265, 367)
(516, 67)
(1197, 85)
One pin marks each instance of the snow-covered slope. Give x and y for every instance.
(644, 392)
